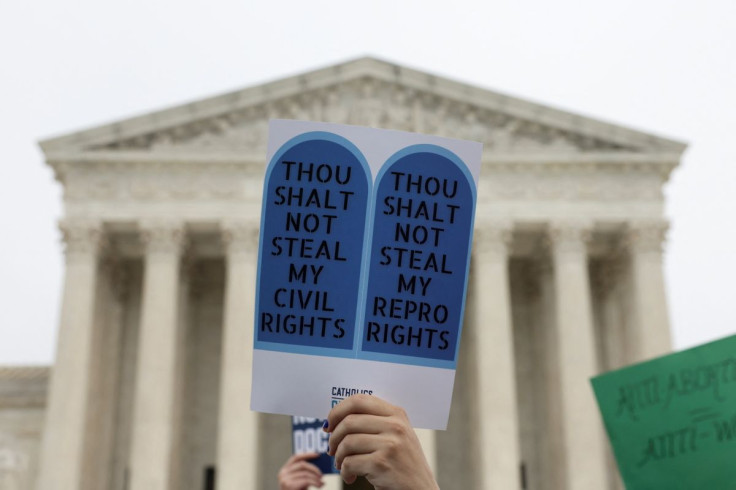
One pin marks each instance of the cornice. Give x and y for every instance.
(622, 162)
(194, 160)
(131, 162)
(661, 163)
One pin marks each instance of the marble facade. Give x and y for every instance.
(151, 382)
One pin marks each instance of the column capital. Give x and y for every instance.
(647, 236)
(162, 237)
(82, 237)
(492, 237)
(240, 236)
(569, 237)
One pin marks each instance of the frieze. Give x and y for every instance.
(560, 187)
(170, 183)
(184, 183)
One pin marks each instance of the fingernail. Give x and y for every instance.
(325, 424)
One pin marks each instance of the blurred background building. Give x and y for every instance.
(151, 382)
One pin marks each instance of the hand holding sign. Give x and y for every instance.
(372, 438)
(307, 436)
(298, 474)
(672, 420)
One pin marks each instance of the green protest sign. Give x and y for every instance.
(672, 420)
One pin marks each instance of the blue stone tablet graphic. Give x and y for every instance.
(422, 230)
(312, 238)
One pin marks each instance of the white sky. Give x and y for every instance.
(662, 66)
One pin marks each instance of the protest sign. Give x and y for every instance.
(672, 420)
(362, 270)
(307, 436)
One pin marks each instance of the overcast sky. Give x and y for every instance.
(662, 66)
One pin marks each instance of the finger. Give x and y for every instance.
(365, 404)
(354, 444)
(356, 424)
(355, 466)
(294, 458)
(301, 457)
(301, 482)
(302, 467)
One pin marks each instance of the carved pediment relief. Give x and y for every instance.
(366, 101)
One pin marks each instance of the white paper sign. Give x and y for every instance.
(362, 268)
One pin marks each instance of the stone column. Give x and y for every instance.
(152, 457)
(103, 404)
(582, 435)
(332, 482)
(428, 440)
(494, 401)
(63, 448)
(651, 328)
(237, 444)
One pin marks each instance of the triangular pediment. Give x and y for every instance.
(365, 92)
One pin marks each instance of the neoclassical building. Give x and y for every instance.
(150, 386)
